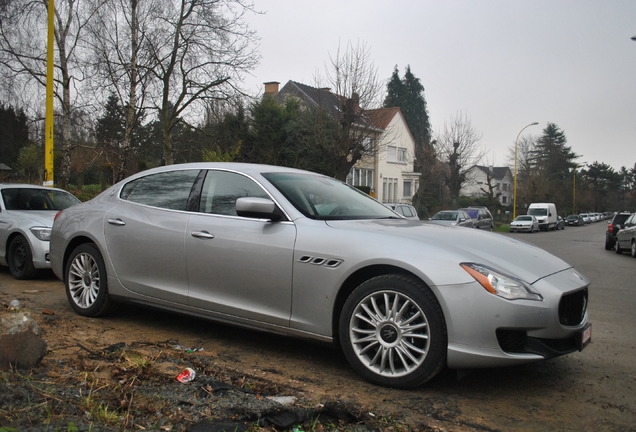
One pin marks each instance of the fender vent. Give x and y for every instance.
(327, 262)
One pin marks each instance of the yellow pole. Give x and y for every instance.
(48, 121)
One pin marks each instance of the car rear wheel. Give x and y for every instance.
(608, 244)
(392, 331)
(633, 249)
(20, 259)
(86, 282)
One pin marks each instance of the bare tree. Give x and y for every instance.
(121, 66)
(458, 147)
(352, 75)
(199, 50)
(23, 44)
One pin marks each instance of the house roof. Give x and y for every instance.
(381, 117)
(498, 173)
(324, 98)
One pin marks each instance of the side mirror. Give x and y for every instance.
(259, 208)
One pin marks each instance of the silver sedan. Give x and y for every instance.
(26, 218)
(295, 252)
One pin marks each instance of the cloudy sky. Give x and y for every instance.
(502, 63)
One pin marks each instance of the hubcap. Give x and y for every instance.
(389, 333)
(83, 280)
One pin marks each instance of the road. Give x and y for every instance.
(594, 390)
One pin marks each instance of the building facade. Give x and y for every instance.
(481, 181)
(387, 172)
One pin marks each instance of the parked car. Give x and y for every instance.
(408, 211)
(612, 228)
(294, 252)
(574, 220)
(482, 219)
(586, 218)
(524, 223)
(560, 223)
(452, 218)
(26, 218)
(626, 236)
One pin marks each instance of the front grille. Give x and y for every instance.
(572, 308)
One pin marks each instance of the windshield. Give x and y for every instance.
(446, 215)
(37, 199)
(524, 218)
(538, 212)
(319, 197)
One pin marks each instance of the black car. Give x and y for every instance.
(612, 228)
(574, 220)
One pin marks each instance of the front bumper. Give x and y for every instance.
(487, 330)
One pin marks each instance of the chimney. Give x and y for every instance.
(271, 88)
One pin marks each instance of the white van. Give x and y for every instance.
(545, 213)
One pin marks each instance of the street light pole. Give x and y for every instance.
(514, 191)
(574, 186)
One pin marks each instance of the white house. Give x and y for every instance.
(483, 180)
(388, 173)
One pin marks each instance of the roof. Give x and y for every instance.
(498, 173)
(325, 99)
(381, 117)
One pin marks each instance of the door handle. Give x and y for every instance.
(116, 222)
(202, 235)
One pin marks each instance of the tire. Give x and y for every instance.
(86, 281)
(387, 317)
(617, 248)
(608, 244)
(633, 249)
(20, 259)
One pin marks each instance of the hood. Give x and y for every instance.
(459, 244)
(37, 217)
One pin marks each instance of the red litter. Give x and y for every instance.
(186, 375)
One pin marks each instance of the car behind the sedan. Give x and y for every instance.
(299, 253)
(26, 218)
(524, 223)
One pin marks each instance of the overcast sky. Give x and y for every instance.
(502, 63)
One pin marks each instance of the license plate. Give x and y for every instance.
(585, 336)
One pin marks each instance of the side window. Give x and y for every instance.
(221, 189)
(168, 190)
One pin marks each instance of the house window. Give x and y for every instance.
(407, 189)
(389, 189)
(360, 177)
(396, 154)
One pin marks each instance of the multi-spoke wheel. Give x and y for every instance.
(392, 331)
(20, 259)
(85, 280)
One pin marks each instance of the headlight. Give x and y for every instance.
(499, 284)
(42, 233)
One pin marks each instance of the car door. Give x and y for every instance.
(145, 235)
(238, 266)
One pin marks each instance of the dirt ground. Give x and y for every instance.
(118, 373)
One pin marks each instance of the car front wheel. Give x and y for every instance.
(633, 249)
(86, 283)
(20, 259)
(392, 331)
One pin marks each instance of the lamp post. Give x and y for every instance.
(574, 186)
(514, 191)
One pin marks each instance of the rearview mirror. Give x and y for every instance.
(260, 208)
